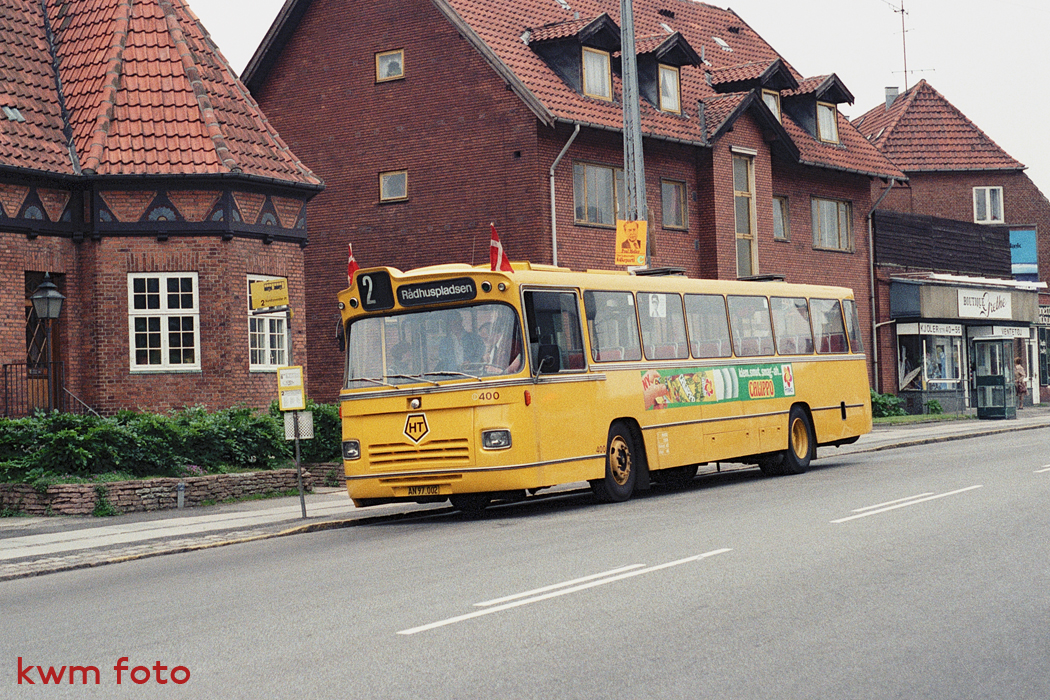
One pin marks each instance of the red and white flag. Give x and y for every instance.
(351, 266)
(497, 256)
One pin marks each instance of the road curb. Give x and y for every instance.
(948, 438)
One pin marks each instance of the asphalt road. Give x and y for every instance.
(918, 573)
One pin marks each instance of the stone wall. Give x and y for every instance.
(151, 494)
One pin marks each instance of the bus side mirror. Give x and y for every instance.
(548, 360)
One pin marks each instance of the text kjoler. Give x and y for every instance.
(158, 673)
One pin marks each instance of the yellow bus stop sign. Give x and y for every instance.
(267, 293)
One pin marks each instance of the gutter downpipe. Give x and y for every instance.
(871, 274)
(554, 212)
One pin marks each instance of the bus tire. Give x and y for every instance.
(772, 465)
(470, 503)
(802, 444)
(678, 477)
(622, 461)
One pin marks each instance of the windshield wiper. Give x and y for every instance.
(415, 377)
(452, 374)
(379, 382)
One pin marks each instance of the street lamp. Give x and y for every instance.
(47, 303)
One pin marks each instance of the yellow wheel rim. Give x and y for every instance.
(799, 438)
(619, 460)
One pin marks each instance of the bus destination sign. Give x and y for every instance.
(459, 289)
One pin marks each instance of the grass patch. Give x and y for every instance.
(923, 418)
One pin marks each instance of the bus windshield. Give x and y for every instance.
(434, 345)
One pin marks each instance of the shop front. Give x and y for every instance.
(966, 343)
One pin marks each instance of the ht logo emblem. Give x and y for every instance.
(416, 427)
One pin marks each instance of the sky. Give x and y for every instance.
(989, 59)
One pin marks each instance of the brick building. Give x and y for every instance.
(959, 182)
(139, 176)
(428, 119)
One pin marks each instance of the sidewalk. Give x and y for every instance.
(36, 546)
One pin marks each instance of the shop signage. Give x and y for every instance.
(1044, 315)
(974, 303)
(1010, 331)
(940, 329)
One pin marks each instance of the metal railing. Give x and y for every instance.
(32, 387)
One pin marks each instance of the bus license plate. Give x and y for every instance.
(424, 490)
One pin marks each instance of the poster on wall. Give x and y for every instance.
(1024, 260)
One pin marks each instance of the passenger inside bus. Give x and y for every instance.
(459, 348)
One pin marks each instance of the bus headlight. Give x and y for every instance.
(351, 449)
(495, 439)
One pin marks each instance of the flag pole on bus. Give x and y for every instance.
(497, 256)
(351, 265)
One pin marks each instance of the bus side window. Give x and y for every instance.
(749, 320)
(708, 327)
(663, 326)
(829, 332)
(553, 320)
(612, 326)
(791, 325)
(856, 343)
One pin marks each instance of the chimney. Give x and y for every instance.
(891, 95)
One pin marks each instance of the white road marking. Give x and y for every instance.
(908, 503)
(890, 503)
(1043, 469)
(555, 586)
(563, 591)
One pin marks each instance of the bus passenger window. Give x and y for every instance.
(749, 320)
(791, 325)
(663, 326)
(829, 332)
(856, 343)
(553, 320)
(708, 327)
(612, 326)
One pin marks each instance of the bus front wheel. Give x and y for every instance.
(802, 445)
(621, 466)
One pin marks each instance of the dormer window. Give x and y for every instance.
(827, 122)
(597, 76)
(670, 90)
(390, 65)
(772, 100)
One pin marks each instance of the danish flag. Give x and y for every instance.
(351, 266)
(497, 256)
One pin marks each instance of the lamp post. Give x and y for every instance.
(47, 303)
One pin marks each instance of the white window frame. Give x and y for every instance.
(982, 199)
(677, 190)
(618, 193)
(843, 215)
(263, 328)
(780, 206)
(745, 231)
(386, 180)
(772, 100)
(672, 103)
(164, 313)
(832, 135)
(382, 62)
(597, 86)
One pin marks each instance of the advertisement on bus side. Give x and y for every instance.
(694, 386)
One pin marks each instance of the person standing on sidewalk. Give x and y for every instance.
(1021, 381)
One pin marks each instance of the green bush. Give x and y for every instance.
(885, 405)
(326, 444)
(933, 407)
(48, 447)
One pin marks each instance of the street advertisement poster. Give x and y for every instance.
(694, 386)
(630, 242)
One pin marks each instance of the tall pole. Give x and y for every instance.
(633, 159)
(50, 369)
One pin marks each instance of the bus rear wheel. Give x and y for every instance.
(802, 445)
(470, 503)
(621, 466)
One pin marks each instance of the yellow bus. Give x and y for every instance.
(471, 385)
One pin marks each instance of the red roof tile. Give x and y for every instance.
(923, 131)
(735, 74)
(496, 28)
(146, 92)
